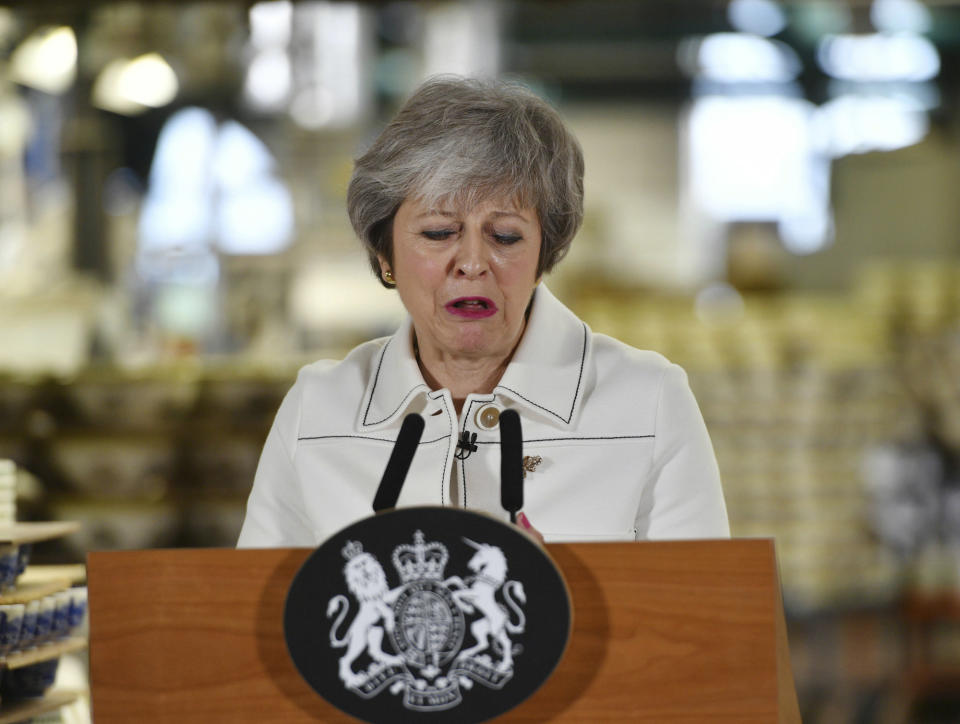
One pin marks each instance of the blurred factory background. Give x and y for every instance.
(772, 201)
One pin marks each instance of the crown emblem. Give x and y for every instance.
(420, 561)
(352, 549)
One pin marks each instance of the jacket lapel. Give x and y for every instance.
(395, 380)
(547, 374)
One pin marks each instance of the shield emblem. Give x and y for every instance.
(427, 614)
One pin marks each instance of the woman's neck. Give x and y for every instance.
(461, 375)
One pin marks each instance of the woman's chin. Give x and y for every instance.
(474, 351)
(475, 344)
(474, 339)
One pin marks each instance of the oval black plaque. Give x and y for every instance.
(427, 614)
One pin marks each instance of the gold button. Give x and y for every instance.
(487, 417)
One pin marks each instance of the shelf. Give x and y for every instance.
(33, 532)
(45, 652)
(74, 573)
(26, 592)
(39, 581)
(29, 708)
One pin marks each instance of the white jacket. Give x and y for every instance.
(624, 451)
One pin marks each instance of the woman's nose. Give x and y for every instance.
(471, 260)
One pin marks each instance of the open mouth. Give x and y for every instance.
(472, 307)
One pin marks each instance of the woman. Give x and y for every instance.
(468, 197)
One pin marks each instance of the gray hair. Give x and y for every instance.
(463, 141)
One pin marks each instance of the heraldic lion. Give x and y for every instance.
(368, 583)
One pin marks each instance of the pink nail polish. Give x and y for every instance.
(523, 521)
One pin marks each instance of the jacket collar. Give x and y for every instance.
(395, 381)
(546, 375)
(547, 372)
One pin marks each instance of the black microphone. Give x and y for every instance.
(399, 463)
(465, 445)
(511, 463)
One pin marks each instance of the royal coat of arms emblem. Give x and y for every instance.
(432, 636)
(427, 614)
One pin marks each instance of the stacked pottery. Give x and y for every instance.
(13, 561)
(28, 626)
(8, 491)
(29, 682)
(29, 622)
(41, 621)
(11, 624)
(9, 566)
(11, 627)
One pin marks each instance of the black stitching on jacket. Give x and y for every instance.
(560, 439)
(576, 394)
(367, 437)
(443, 477)
(376, 379)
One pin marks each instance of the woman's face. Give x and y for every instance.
(466, 277)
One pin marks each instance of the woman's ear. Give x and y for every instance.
(386, 274)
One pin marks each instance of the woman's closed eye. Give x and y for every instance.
(501, 237)
(507, 238)
(438, 234)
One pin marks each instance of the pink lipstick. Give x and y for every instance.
(472, 307)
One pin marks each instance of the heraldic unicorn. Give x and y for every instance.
(410, 638)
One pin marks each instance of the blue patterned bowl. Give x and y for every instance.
(78, 607)
(29, 630)
(23, 557)
(11, 623)
(29, 682)
(9, 560)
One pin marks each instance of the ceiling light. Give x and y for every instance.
(47, 60)
(130, 87)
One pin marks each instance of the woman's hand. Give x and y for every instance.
(524, 522)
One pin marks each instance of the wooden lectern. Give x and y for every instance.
(686, 631)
